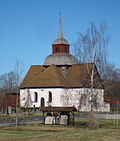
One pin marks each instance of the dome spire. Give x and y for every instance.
(60, 33)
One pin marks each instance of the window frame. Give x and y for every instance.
(50, 96)
(35, 97)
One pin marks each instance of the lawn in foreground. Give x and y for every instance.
(48, 133)
(37, 132)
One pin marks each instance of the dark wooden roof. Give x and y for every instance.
(76, 77)
(58, 109)
(39, 76)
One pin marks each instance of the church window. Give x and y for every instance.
(50, 97)
(36, 97)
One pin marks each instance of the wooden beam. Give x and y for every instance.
(43, 119)
(73, 119)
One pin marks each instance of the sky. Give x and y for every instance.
(28, 28)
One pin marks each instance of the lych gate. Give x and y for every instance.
(53, 112)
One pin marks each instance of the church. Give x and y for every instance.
(61, 81)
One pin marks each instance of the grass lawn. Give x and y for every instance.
(37, 132)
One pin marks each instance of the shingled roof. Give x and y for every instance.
(77, 76)
(39, 76)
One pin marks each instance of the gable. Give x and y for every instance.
(77, 75)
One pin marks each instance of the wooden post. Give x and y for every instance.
(43, 119)
(68, 118)
(55, 118)
(73, 119)
(117, 116)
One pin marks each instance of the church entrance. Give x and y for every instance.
(42, 102)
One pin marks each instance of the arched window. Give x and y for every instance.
(42, 102)
(50, 97)
(36, 97)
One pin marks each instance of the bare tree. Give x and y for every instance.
(11, 80)
(83, 100)
(18, 69)
(7, 85)
(92, 48)
(28, 101)
(113, 83)
(66, 97)
(8, 82)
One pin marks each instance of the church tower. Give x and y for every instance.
(60, 52)
(60, 45)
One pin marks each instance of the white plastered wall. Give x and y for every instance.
(64, 97)
(42, 93)
(74, 96)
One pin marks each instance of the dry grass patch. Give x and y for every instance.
(54, 133)
(38, 132)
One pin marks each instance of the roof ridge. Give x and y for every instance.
(68, 71)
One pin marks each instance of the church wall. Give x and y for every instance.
(78, 97)
(42, 93)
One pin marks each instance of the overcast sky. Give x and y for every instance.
(28, 27)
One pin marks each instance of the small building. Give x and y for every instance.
(61, 115)
(9, 101)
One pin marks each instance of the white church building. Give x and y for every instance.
(61, 81)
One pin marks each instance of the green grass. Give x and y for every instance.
(21, 115)
(103, 123)
(58, 134)
(80, 132)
